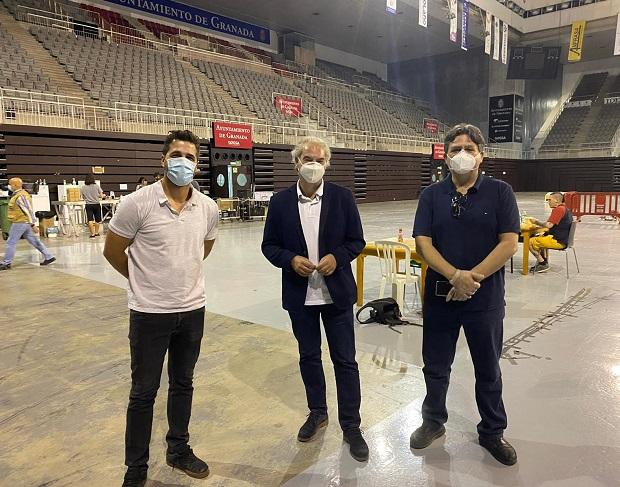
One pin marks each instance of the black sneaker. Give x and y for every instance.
(501, 450)
(135, 476)
(188, 463)
(48, 261)
(311, 427)
(542, 267)
(5, 267)
(357, 444)
(426, 434)
(92, 236)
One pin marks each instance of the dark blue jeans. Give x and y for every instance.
(484, 333)
(151, 335)
(338, 324)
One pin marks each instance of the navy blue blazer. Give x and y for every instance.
(340, 234)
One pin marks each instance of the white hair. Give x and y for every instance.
(311, 142)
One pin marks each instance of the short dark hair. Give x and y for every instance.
(89, 179)
(471, 131)
(558, 195)
(183, 135)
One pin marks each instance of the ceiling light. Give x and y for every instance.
(535, 11)
(509, 4)
(565, 5)
(549, 8)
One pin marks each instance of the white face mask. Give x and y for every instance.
(312, 172)
(463, 162)
(11, 188)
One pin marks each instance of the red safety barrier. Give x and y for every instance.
(590, 203)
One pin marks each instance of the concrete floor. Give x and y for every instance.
(64, 375)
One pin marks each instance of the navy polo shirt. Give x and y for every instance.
(489, 209)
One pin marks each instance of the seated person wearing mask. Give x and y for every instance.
(558, 225)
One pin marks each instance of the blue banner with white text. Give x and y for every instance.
(180, 12)
(464, 25)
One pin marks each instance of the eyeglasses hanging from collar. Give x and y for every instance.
(458, 204)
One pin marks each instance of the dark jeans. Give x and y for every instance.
(484, 333)
(150, 336)
(338, 325)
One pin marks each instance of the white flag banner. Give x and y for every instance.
(423, 13)
(487, 33)
(390, 6)
(496, 39)
(504, 42)
(454, 19)
(617, 46)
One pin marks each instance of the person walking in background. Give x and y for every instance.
(157, 176)
(466, 228)
(92, 194)
(21, 216)
(313, 232)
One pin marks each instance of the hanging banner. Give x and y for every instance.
(390, 6)
(617, 46)
(575, 43)
(454, 19)
(289, 107)
(464, 25)
(229, 134)
(438, 151)
(487, 33)
(504, 42)
(496, 40)
(423, 13)
(431, 125)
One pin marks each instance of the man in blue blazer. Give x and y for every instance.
(313, 232)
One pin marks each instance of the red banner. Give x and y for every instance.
(431, 125)
(229, 134)
(438, 151)
(290, 107)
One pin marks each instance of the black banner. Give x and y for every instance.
(501, 118)
(518, 119)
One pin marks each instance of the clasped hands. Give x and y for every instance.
(304, 266)
(464, 285)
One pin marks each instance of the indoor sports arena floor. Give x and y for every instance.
(64, 376)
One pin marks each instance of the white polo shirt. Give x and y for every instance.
(165, 257)
(310, 216)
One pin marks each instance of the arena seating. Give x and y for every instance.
(17, 70)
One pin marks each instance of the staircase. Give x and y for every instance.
(218, 90)
(583, 136)
(67, 86)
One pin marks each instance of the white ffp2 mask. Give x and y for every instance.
(312, 172)
(463, 162)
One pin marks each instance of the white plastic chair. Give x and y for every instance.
(390, 272)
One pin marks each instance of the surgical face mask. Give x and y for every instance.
(312, 172)
(180, 171)
(11, 188)
(463, 162)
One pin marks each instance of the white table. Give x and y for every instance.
(72, 214)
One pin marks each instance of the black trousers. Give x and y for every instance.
(338, 324)
(484, 333)
(151, 335)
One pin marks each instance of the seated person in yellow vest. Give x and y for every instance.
(91, 194)
(22, 221)
(558, 225)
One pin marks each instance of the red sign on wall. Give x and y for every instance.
(229, 134)
(290, 107)
(438, 151)
(431, 125)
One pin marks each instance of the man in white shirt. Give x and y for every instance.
(168, 229)
(313, 232)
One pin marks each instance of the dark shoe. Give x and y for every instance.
(48, 261)
(97, 235)
(135, 477)
(501, 450)
(92, 236)
(426, 434)
(5, 267)
(188, 463)
(357, 444)
(311, 427)
(542, 267)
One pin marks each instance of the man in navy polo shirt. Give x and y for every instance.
(466, 228)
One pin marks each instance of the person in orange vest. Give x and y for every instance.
(22, 220)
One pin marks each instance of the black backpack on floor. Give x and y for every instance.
(384, 311)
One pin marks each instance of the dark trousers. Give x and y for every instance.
(338, 324)
(484, 333)
(150, 336)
